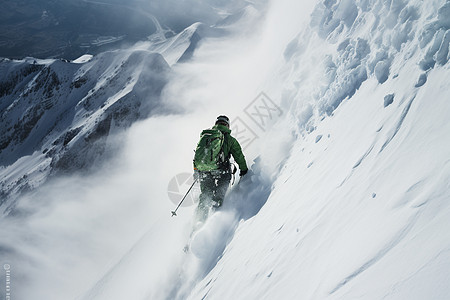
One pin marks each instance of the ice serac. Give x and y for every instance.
(59, 114)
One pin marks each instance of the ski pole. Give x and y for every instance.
(174, 213)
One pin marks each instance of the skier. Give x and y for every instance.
(212, 165)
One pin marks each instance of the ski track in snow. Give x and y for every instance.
(364, 156)
(397, 127)
(242, 203)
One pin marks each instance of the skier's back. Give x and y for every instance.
(212, 164)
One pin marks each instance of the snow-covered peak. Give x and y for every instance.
(82, 59)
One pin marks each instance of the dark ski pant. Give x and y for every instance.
(213, 189)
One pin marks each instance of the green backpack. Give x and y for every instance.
(209, 152)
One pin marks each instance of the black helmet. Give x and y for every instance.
(223, 120)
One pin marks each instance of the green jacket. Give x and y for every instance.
(231, 147)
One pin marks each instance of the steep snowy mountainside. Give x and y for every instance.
(360, 208)
(351, 216)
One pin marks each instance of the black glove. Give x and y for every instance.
(243, 172)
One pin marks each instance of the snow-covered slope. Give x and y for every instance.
(361, 212)
(360, 209)
(347, 197)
